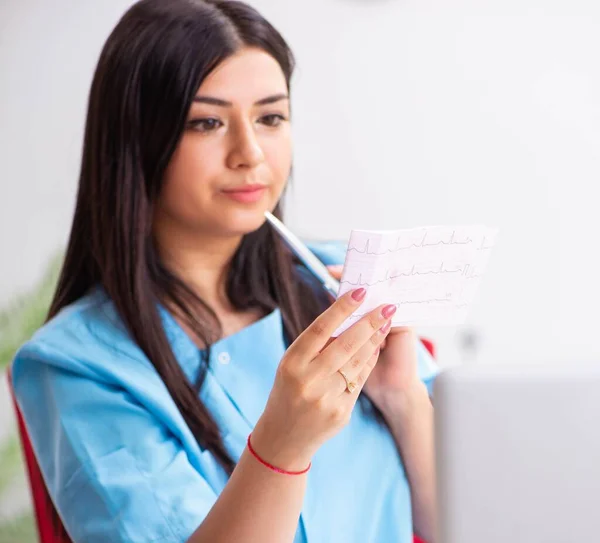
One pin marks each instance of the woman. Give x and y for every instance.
(186, 387)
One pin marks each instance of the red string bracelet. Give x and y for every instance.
(274, 468)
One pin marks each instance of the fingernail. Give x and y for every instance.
(384, 329)
(388, 311)
(359, 294)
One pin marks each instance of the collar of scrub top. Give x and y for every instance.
(239, 380)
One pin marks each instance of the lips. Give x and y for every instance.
(245, 188)
(246, 194)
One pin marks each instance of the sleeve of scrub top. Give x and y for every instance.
(114, 472)
(333, 253)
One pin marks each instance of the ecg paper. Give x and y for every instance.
(431, 273)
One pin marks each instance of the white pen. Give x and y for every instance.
(306, 256)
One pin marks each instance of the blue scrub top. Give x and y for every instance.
(122, 465)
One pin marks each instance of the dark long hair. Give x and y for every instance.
(148, 73)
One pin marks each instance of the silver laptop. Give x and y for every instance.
(518, 454)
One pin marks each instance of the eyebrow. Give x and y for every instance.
(224, 103)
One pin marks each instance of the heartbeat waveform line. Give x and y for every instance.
(464, 271)
(420, 245)
(483, 247)
(447, 299)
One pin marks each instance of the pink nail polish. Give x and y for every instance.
(388, 311)
(359, 294)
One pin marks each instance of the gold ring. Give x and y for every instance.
(350, 385)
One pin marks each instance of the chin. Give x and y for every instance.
(242, 222)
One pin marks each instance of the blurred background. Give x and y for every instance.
(406, 113)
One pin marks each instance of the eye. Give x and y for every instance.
(204, 125)
(273, 119)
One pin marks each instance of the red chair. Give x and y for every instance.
(429, 345)
(50, 528)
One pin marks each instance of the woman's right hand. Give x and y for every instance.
(309, 402)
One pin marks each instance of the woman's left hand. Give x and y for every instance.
(396, 390)
(395, 375)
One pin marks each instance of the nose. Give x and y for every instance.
(246, 151)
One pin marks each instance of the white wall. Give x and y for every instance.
(407, 112)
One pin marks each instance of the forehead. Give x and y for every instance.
(248, 76)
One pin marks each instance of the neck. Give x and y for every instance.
(202, 261)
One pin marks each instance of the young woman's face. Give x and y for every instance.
(234, 158)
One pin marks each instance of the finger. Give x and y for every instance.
(360, 380)
(314, 339)
(336, 271)
(347, 345)
(367, 354)
(327, 343)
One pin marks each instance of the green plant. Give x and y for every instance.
(18, 322)
(23, 316)
(10, 458)
(20, 529)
